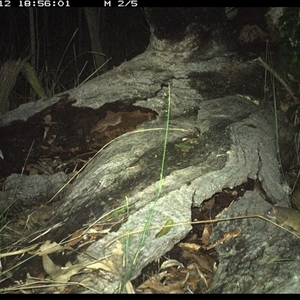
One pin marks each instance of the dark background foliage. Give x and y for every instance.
(63, 47)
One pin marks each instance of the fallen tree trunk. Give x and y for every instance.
(210, 93)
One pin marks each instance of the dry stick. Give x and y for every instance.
(45, 231)
(200, 222)
(54, 83)
(26, 159)
(23, 168)
(95, 71)
(93, 157)
(21, 251)
(278, 77)
(47, 283)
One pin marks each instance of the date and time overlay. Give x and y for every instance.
(64, 3)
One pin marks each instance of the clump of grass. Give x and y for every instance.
(147, 225)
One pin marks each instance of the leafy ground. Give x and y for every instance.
(188, 268)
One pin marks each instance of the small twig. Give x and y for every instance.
(267, 67)
(94, 156)
(21, 251)
(17, 186)
(26, 159)
(95, 72)
(199, 222)
(54, 83)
